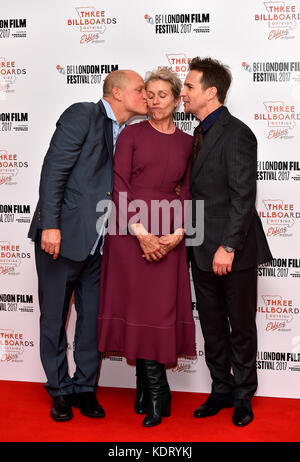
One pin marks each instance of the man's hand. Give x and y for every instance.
(222, 262)
(50, 242)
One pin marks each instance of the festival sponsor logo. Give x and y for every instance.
(13, 28)
(279, 217)
(278, 312)
(12, 303)
(278, 361)
(280, 119)
(15, 213)
(13, 345)
(9, 73)
(281, 19)
(273, 71)
(13, 122)
(179, 23)
(282, 268)
(283, 170)
(11, 257)
(10, 166)
(85, 74)
(91, 24)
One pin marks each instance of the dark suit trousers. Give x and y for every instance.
(227, 309)
(57, 280)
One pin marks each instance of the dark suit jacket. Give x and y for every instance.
(224, 176)
(77, 173)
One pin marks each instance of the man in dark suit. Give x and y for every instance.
(76, 175)
(224, 267)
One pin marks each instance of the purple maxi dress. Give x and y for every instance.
(145, 307)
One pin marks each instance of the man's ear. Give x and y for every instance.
(117, 93)
(212, 92)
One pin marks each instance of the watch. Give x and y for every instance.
(228, 249)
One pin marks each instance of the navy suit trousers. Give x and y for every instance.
(57, 281)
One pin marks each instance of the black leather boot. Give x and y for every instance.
(159, 404)
(140, 405)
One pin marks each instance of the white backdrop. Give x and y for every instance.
(56, 53)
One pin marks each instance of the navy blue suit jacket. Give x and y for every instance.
(77, 173)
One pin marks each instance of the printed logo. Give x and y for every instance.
(180, 23)
(85, 74)
(278, 170)
(10, 165)
(91, 24)
(9, 73)
(280, 119)
(13, 28)
(13, 122)
(281, 19)
(279, 217)
(279, 313)
(13, 345)
(11, 256)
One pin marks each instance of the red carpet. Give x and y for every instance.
(25, 417)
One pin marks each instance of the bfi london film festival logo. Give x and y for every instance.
(11, 257)
(85, 74)
(11, 303)
(13, 345)
(280, 119)
(282, 268)
(179, 23)
(14, 122)
(280, 360)
(9, 74)
(281, 18)
(15, 213)
(13, 28)
(279, 218)
(10, 166)
(279, 312)
(273, 71)
(91, 24)
(278, 170)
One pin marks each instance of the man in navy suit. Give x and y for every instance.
(77, 173)
(224, 267)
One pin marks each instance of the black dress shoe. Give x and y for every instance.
(242, 416)
(61, 410)
(88, 405)
(213, 405)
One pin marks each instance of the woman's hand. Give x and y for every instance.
(170, 241)
(152, 250)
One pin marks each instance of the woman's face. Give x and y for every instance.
(160, 100)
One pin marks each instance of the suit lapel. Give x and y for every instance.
(210, 141)
(108, 131)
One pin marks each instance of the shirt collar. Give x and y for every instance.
(211, 118)
(110, 113)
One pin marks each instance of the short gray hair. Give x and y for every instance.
(167, 75)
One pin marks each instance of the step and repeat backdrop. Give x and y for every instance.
(53, 54)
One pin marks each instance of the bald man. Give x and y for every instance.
(76, 175)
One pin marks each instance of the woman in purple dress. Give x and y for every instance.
(145, 302)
